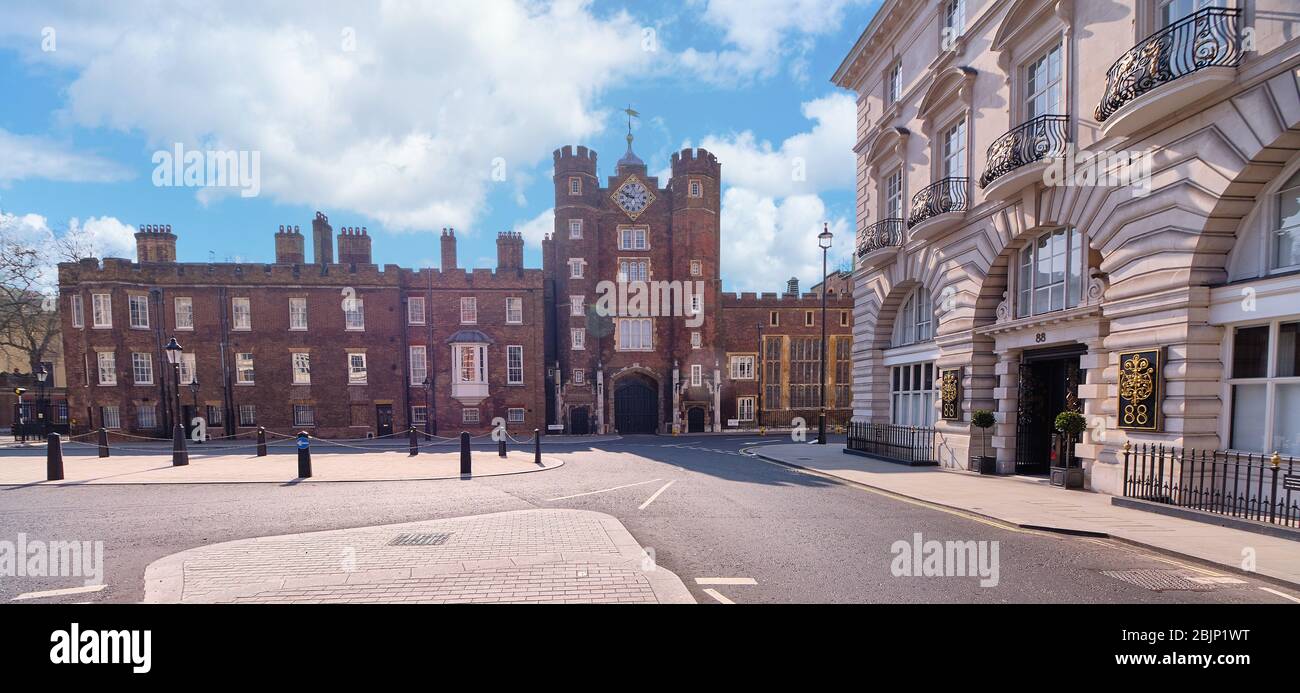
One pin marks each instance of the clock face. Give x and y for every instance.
(633, 197)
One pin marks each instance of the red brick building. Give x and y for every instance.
(695, 358)
(342, 349)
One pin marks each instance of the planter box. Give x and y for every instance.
(1067, 477)
(984, 465)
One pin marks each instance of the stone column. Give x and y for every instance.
(600, 399)
(677, 420)
(717, 399)
(1006, 393)
(1097, 449)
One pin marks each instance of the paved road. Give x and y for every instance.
(752, 531)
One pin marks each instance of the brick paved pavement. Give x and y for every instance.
(553, 555)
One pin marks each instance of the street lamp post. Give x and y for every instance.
(823, 241)
(180, 457)
(194, 392)
(42, 401)
(428, 408)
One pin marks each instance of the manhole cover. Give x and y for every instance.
(435, 539)
(1161, 580)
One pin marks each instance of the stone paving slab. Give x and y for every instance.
(547, 556)
(207, 468)
(1032, 503)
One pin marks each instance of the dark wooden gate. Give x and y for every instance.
(636, 407)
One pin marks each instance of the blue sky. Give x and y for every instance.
(396, 117)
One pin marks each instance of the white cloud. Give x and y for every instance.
(30, 156)
(813, 161)
(760, 35)
(535, 229)
(766, 241)
(405, 129)
(100, 236)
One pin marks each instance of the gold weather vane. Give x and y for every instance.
(630, 115)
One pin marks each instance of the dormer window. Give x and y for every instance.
(1049, 274)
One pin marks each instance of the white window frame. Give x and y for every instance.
(300, 366)
(954, 18)
(891, 195)
(697, 375)
(579, 376)
(912, 404)
(576, 265)
(697, 268)
(1074, 270)
(514, 310)
(297, 313)
(473, 370)
(514, 371)
(575, 185)
(111, 416)
(953, 150)
(1053, 84)
(75, 307)
(578, 339)
(894, 83)
(515, 415)
(354, 314)
(745, 407)
(468, 310)
(696, 340)
(183, 307)
(470, 415)
(914, 324)
(634, 334)
(244, 363)
(634, 238)
(418, 356)
(1270, 382)
(106, 362)
(634, 269)
(695, 188)
(188, 363)
(246, 415)
(241, 314)
(357, 371)
(742, 366)
(415, 310)
(137, 311)
(304, 416)
(575, 229)
(419, 413)
(1275, 231)
(101, 310)
(146, 416)
(141, 368)
(576, 306)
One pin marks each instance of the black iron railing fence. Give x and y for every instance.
(909, 444)
(947, 195)
(882, 234)
(1046, 136)
(1208, 38)
(1245, 485)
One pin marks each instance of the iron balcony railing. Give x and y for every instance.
(1251, 486)
(907, 444)
(882, 234)
(947, 195)
(1208, 38)
(1043, 137)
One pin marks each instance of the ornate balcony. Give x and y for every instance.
(1019, 156)
(1184, 62)
(938, 207)
(881, 240)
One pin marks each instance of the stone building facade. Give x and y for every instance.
(692, 358)
(1079, 206)
(342, 349)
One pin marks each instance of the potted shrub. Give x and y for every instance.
(985, 463)
(1066, 470)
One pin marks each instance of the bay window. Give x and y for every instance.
(469, 377)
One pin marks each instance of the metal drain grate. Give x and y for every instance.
(436, 539)
(1161, 580)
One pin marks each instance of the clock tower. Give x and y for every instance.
(615, 365)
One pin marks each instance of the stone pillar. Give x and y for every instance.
(600, 399)
(1006, 393)
(1097, 449)
(677, 420)
(717, 399)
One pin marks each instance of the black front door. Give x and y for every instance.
(579, 421)
(695, 420)
(1048, 387)
(383, 419)
(636, 407)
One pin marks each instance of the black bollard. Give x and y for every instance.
(53, 458)
(501, 447)
(537, 445)
(415, 443)
(103, 442)
(261, 441)
(304, 455)
(180, 456)
(464, 453)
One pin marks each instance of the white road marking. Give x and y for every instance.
(721, 599)
(604, 490)
(651, 499)
(1217, 580)
(59, 593)
(726, 581)
(1283, 595)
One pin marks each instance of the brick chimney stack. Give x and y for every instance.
(510, 250)
(448, 249)
(290, 247)
(322, 240)
(354, 246)
(155, 243)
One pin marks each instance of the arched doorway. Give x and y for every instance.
(636, 406)
(695, 420)
(579, 421)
